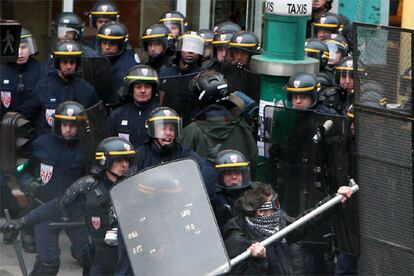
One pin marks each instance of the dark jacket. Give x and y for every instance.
(238, 236)
(128, 121)
(120, 66)
(17, 83)
(57, 163)
(52, 91)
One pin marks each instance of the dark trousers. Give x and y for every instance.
(346, 264)
(47, 241)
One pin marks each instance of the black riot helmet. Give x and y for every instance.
(159, 118)
(227, 26)
(156, 32)
(207, 35)
(338, 48)
(234, 166)
(66, 24)
(140, 74)
(210, 87)
(221, 39)
(115, 33)
(66, 49)
(103, 9)
(68, 112)
(303, 83)
(329, 22)
(246, 41)
(111, 149)
(190, 42)
(318, 50)
(174, 18)
(27, 38)
(345, 69)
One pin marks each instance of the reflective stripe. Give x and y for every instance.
(171, 18)
(27, 35)
(236, 164)
(164, 117)
(67, 117)
(221, 41)
(154, 35)
(191, 36)
(68, 53)
(300, 89)
(104, 12)
(346, 68)
(312, 50)
(326, 25)
(141, 78)
(112, 36)
(243, 44)
(99, 155)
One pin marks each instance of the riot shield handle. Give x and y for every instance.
(301, 221)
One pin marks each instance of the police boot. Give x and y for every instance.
(43, 269)
(28, 240)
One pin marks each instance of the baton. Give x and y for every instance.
(17, 247)
(279, 235)
(69, 224)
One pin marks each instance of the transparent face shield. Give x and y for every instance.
(65, 32)
(189, 43)
(176, 26)
(233, 178)
(164, 128)
(28, 44)
(336, 52)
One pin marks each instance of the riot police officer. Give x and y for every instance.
(156, 43)
(164, 128)
(91, 194)
(215, 127)
(338, 48)
(59, 86)
(49, 174)
(141, 94)
(220, 43)
(101, 13)
(227, 26)
(233, 178)
(69, 26)
(19, 78)
(113, 39)
(326, 25)
(175, 21)
(175, 79)
(302, 91)
(241, 47)
(207, 35)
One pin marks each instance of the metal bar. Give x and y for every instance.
(17, 247)
(279, 235)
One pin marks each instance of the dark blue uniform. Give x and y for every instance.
(17, 83)
(52, 91)
(120, 66)
(128, 121)
(150, 155)
(95, 203)
(58, 163)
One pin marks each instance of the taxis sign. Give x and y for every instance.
(289, 7)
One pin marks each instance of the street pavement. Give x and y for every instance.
(9, 264)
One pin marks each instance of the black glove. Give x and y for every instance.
(31, 187)
(12, 227)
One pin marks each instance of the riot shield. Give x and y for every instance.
(97, 72)
(177, 95)
(16, 135)
(242, 79)
(310, 150)
(167, 222)
(95, 131)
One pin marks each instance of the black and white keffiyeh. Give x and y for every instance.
(266, 224)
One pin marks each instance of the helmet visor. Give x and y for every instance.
(164, 127)
(28, 44)
(65, 32)
(193, 44)
(233, 178)
(336, 53)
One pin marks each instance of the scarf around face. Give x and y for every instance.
(266, 224)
